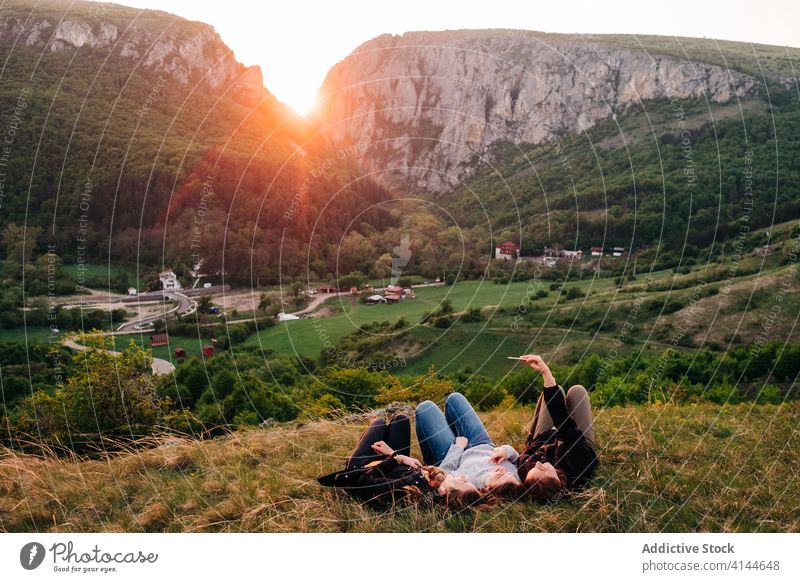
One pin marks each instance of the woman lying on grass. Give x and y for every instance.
(380, 470)
(457, 442)
(560, 452)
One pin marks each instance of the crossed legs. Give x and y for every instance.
(396, 433)
(437, 431)
(578, 406)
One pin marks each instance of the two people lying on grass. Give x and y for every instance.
(463, 465)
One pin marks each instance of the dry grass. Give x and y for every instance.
(664, 468)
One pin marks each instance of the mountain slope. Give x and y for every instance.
(431, 103)
(139, 138)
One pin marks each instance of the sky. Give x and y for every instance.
(296, 42)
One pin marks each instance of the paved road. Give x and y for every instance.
(158, 366)
(185, 305)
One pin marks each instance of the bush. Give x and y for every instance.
(107, 399)
(483, 393)
(574, 293)
(472, 315)
(443, 322)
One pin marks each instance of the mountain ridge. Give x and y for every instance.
(433, 101)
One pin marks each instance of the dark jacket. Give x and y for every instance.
(564, 447)
(386, 482)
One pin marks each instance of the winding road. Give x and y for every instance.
(185, 306)
(159, 366)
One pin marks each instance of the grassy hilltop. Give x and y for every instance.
(663, 468)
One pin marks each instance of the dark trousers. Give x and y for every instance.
(578, 407)
(396, 433)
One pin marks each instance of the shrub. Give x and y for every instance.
(574, 293)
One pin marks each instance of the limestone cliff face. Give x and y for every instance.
(190, 53)
(428, 103)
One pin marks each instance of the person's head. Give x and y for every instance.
(503, 484)
(543, 481)
(459, 492)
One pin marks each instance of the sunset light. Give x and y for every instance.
(520, 268)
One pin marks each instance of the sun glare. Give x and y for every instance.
(302, 103)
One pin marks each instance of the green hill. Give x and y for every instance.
(663, 469)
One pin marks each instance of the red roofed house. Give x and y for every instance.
(507, 251)
(208, 351)
(159, 339)
(180, 353)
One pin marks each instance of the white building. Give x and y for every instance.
(169, 281)
(132, 291)
(507, 251)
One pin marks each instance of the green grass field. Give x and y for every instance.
(664, 468)
(28, 335)
(192, 345)
(552, 325)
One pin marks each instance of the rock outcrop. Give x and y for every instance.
(431, 104)
(191, 53)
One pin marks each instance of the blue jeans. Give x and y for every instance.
(437, 431)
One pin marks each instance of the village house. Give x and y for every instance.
(169, 281)
(507, 251)
(159, 339)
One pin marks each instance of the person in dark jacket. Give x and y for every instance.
(559, 452)
(380, 471)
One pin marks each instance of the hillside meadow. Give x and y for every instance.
(664, 468)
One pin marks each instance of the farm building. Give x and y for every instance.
(159, 339)
(180, 353)
(596, 251)
(507, 251)
(208, 351)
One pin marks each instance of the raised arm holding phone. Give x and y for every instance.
(560, 451)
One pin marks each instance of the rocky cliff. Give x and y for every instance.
(428, 104)
(191, 53)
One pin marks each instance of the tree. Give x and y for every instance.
(203, 304)
(107, 398)
(264, 303)
(19, 244)
(383, 267)
(353, 279)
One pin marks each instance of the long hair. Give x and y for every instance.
(504, 492)
(463, 499)
(434, 475)
(545, 492)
